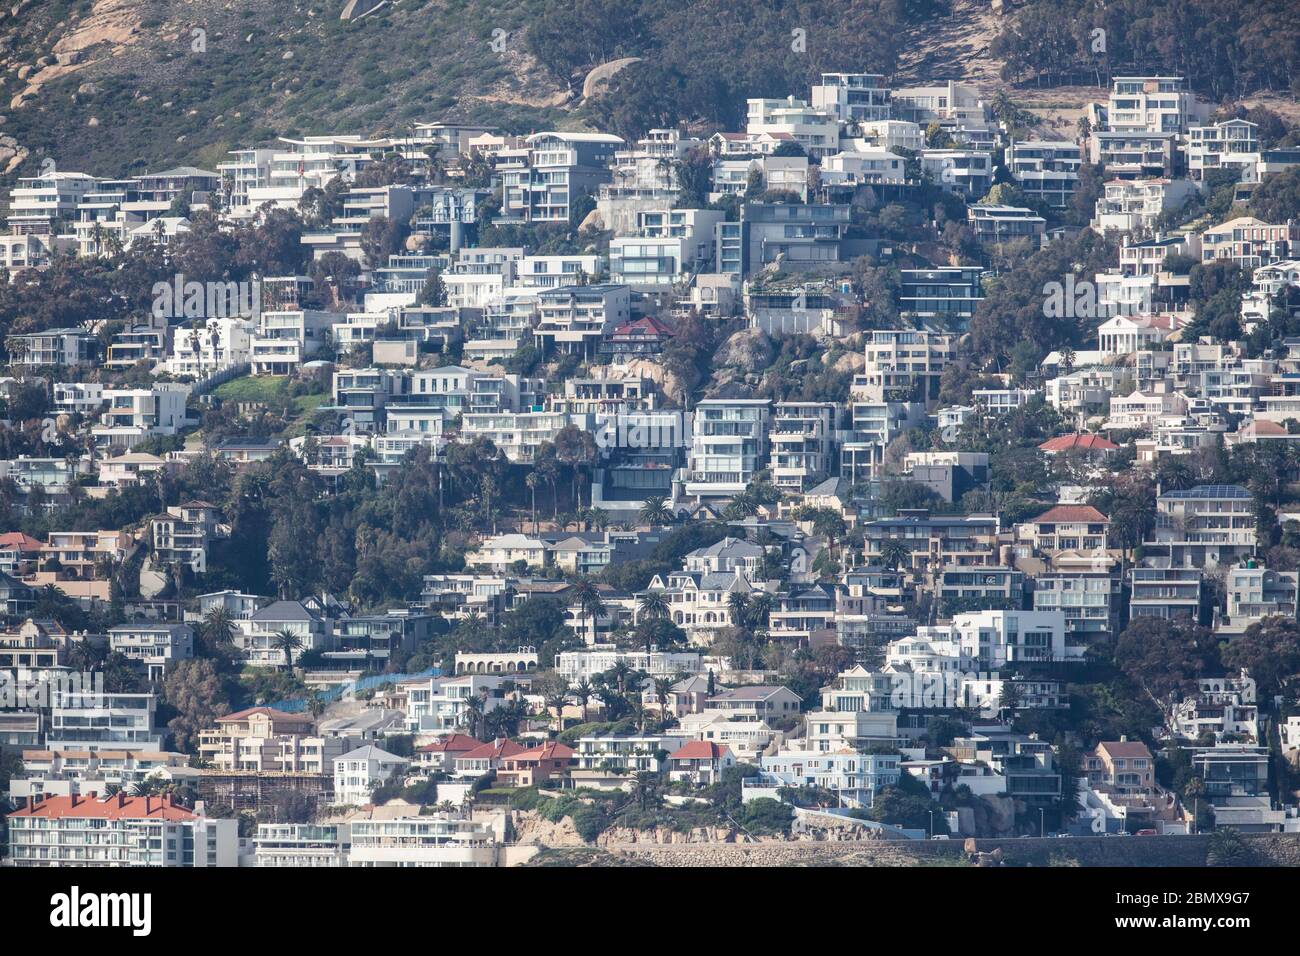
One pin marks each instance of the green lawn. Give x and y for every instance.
(263, 388)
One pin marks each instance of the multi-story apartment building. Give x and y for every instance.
(258, 640)
(852, 97)
(358, 772)
(1255, 592)
(802, 437)
(944, 103)
(1135, 205)
(903, 365)
(729, 445)
(517, 434)
(65, 773)
(989, 640)
(664, 246)
(1088, 599)
(1150, 104)
(577, 318)
(1204, 525)
(133, 414)
(119, 830)
(1147, 257)
(1232, 144)
(100, 721)
(218, 345)
(152, 644)
(817, 131)
(798, 235)
(968, 172)
(302, 844)
(1250, 242)
(1134, 155)
(46, 204)
(994, 224)
(1046, 170)
(543, 179)
(183, 533)
(947, 295)
(847, 170)
(936, 541)
(69, 347)
(440, 839)
(1067, 528)
(1167, 593)
(284, 340)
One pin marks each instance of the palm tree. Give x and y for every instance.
(893, 552)
(663, 687)
(653, 605)
(583, 691)
(737, 604)
(286, 642)
(655, 511)
(556, 699)
(143, 788)
(589, 601)
(620, 670)
(760, 608)
(219, 629)
(532, 481)
(473, 715)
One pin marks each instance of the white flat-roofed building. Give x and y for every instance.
(153, 644)
(1047, 170)
(1232, 144)
(440, 839)
(729, 445)
(302, 844)
(1150, 104)
(817, 131)
(995, 224)
(284, 340)
(1134, 205)
(852, 97)
(102, 721)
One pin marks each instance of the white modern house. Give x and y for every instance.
(358, 772)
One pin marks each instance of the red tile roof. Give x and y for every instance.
(1068, 513)
(454, 743)
(23, 542)
(701, 750)
(645, 323)
(493, 751)
(551, 750)
(1083, 442)
(116, 807)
